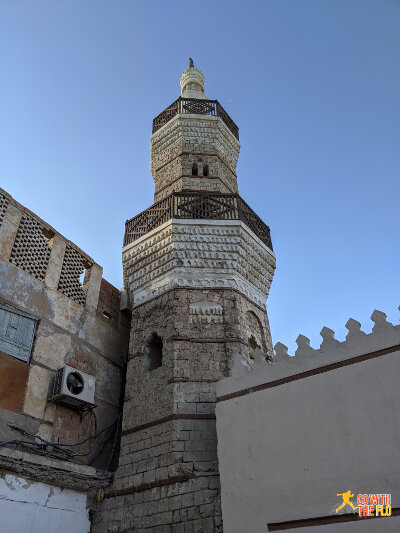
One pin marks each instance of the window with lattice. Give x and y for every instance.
(32, 247)
(3, 207)
(74, 278)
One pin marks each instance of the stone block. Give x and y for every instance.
(36, 392)
(8, 231)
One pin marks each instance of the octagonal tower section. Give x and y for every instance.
(195, 144)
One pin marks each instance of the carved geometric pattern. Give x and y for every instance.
(205, 206)
(199, 107)
(74, 265)
(206, 313)
(3, 207)
(31, 249)
(198, 255)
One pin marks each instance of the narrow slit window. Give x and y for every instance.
(195, 169)
(153, 353)
(205, 170)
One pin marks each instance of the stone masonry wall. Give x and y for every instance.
(189, 139)
(168, 472)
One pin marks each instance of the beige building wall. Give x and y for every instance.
(294, 433)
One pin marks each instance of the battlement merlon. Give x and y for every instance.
(384, 338)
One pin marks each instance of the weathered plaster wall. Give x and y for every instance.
(31, 507)
(79, 324)
(294, 433)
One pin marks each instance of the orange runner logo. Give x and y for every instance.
(368, 504)
(346, 500)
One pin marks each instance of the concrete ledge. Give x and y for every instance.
(46, 470)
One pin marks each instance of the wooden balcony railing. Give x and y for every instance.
(197, 107)
(196, 205)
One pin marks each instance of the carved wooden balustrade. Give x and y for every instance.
(197, 107)
(196, 205)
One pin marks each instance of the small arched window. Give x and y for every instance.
(195, 169)
(153, 353)
(252, 346)
(205, 170)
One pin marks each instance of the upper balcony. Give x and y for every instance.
(195, 106)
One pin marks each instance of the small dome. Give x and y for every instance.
(192, 83)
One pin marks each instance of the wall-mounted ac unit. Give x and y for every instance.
(72, 387)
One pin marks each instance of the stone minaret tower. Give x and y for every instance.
(197, 267)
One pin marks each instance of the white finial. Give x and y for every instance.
(192, 82)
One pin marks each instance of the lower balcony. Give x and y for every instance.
(196, 205)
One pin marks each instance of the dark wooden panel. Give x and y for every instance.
(196, 107)
(13, 377)
(196, 205)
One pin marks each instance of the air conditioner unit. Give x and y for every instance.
(72, 387)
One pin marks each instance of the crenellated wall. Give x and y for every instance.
(295, 432)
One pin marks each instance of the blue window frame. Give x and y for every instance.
(17, 331)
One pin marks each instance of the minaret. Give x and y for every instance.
(197, 267)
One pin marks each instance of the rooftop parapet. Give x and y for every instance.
(32, 245)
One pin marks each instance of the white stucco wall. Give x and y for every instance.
(285, 451)
(29, 507)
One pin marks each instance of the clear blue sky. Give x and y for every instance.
(314, 86)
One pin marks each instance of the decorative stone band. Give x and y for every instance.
(174, 416)
(198, 254)
(209, 341)
(358, 347)
(206, 313)
(325, 520)
(149, 486)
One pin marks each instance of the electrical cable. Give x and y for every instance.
(58, 451)
(58, 444)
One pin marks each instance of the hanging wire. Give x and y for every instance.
(60, 450)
